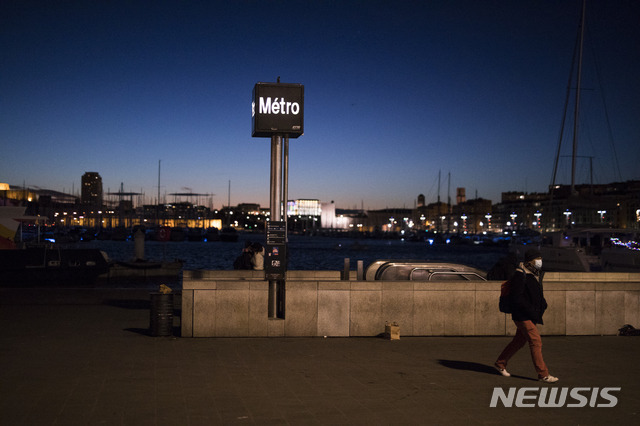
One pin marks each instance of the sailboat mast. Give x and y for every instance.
(449, 203)
(158, 203)
(439, 171)
(577, 109)
(438, 220)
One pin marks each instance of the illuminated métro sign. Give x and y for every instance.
(277, 108)
(277, 112)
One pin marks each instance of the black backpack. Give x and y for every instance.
(505, 298)
(628, 330)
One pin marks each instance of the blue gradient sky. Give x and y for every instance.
(394, 92)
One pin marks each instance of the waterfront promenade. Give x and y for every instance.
(80, 357)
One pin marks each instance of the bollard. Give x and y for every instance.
(138, 238)
(345, 271)
(161, 321)
(360, 270)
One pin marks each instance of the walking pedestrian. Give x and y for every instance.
(528, 304)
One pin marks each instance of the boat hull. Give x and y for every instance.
(43, 266)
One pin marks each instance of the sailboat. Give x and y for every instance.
(585, 248)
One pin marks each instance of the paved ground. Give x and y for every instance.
(86, 358)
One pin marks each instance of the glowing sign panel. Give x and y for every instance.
(277, 108)
(275, 264)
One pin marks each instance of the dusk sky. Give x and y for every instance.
(395, 91)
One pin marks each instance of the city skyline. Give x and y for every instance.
(88, 195)
(394, 94)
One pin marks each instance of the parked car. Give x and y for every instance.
(422, 270)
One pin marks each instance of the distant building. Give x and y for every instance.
(432, 216)
(14, 193)
(473, 215)
(91, 189)
(249, 208)
(304, 207)
(328, 217)
(390, 220)
(615, 205)
(304, 214)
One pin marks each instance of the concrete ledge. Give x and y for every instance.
(235, 303)
(204, 275)
(198, 284)
(591, 276)
(239, 275)
(308, 275)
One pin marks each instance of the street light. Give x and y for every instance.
(567, 215)
(537, 215)
(602, 213)
(488, 216)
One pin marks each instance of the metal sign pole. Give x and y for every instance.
(276, 177)
(285, 185)
(275, 210)
(281, 287)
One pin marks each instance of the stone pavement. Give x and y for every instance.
(85, 358)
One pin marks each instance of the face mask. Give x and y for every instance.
(538, 263)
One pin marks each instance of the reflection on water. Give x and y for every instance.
(305, 253)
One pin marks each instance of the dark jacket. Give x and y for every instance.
(527, 297)
(243, 261)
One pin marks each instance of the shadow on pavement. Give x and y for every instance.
(477, 367)
(175, 331)
(466, 365)
(141, 331)
(128, 304)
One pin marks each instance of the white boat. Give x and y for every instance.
(622, 255)
(587, 250)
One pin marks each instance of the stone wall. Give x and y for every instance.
(318, 303)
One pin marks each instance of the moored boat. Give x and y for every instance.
(587, 250)
(48, 265)
(229, 234)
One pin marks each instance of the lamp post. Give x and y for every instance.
(488, 216)
(602, 213)
(567, 214)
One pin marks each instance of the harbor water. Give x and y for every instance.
(305, 252)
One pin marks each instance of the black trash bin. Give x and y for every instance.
(161, 321)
